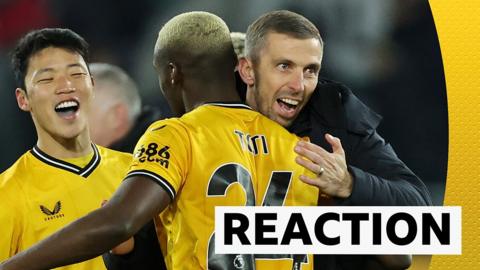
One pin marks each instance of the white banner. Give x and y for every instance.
(338, 230)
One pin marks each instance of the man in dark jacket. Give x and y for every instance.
(355, 166)
(281, 77)
(380, 178)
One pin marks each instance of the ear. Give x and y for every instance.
(245, 69)
(174, 74)
(22, 99)
(118, 114)
(93, 86)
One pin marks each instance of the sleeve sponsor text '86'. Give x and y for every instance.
(152, 154)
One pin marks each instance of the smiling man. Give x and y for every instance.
(64, 176)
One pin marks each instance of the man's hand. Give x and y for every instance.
(332, 175)
(124, 248)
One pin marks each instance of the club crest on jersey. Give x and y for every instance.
(52, 214)
(152, 153)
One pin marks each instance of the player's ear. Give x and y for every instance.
(174, 73)
(22, 99)
(245, 69)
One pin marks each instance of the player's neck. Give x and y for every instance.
(63, 148)
(212, 91)
(226, 93)
(206, 97)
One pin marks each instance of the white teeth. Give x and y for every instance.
(290, 101)
(66, 104)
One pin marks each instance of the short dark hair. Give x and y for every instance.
(281, 22)
(40, 39)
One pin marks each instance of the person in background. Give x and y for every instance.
(238, 40)
(117, 119)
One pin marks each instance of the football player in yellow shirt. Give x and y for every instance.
(222, 153)
(64, 176)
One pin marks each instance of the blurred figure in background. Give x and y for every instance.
(116, 104)
(238, 40)
(117, 119)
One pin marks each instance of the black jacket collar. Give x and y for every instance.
(333, 105)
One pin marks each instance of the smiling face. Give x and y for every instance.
(285, 76)
(58, 93)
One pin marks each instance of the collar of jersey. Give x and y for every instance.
(230, 105)
(84, 172)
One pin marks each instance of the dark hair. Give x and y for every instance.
(281, 22)
(38, 40)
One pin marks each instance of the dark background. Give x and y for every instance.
(386, 51)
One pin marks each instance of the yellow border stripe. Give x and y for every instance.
(458, 25)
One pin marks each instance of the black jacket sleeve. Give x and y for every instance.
(380, 178)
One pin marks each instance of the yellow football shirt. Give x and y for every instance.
(41, 194)
(220, 155)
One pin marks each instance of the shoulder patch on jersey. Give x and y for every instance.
(152, 153)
